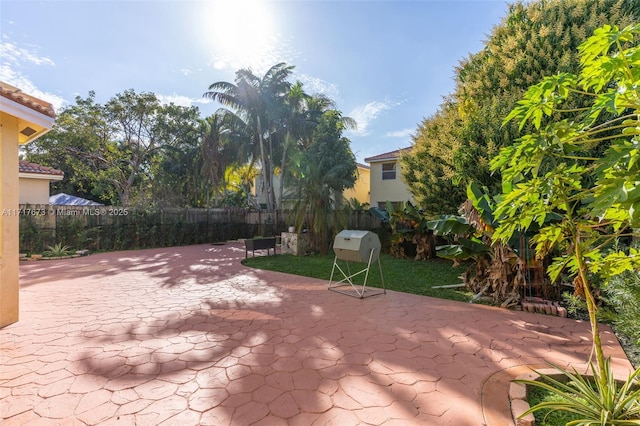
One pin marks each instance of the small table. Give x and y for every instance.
(254, 244)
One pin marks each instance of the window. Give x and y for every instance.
(388, 171)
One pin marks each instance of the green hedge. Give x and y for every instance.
(82, 228)
(134, 233)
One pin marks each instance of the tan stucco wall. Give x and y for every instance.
(9, 220)
(33, 191)
(259, 192)
(388, 190)
(360, 190)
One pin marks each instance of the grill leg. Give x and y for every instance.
(333, 268)
(384, 289)
(348, 279)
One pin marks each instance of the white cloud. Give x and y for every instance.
(181, 100)
(9, 52)
(186, 71)
(404, 133)
(13, 58)
(267, 53)
(220, 63)
(367, 113)
(313, 85)
(15, 78)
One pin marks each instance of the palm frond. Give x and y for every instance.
(349, 123)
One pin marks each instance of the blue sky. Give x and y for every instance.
(386, 63)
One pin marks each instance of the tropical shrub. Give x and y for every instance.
(323, 171)
(582, 166)
(596, 402)
(622, 310)
(498, 269)
(57, 250)
(535, 38)
(410, 236)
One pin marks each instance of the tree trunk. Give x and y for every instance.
(271, 189)
(266, 173)
(283, 162)
(591, 307)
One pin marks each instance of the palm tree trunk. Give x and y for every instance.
(283, 162)
(266, 173)
(271, 190)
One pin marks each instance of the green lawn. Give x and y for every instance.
(406, 275)
(548, 417)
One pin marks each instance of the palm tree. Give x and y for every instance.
(259, 102)
(222, 137)
(304, 113)
(296, 122)
(316, 106)
(324, 170)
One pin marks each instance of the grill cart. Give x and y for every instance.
(358, 247)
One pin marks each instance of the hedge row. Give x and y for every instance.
(136, 233)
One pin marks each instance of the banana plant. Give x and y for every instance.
(408, 224)
(496, 270)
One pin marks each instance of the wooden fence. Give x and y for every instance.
(118, 228)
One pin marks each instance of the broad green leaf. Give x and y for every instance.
(465, 249)
(380, 214)
(449, 225)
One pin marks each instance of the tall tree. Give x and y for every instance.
(324, 170)
(303, 114)
(110, 149)
(259, 102)
(142, 127)
(295, 121)
(220, 147)
(192, 172)
(535, 39)
(430, 168)
(72, 146)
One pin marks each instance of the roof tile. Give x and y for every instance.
(391, 155)
(27, 167)
(16, 95)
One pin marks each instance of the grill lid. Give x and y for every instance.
(356, 246)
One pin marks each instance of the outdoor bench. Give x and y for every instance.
(254, 244)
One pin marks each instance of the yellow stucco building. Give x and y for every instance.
(34, 182)
(23, 118)
(360, 190)
(387, 183)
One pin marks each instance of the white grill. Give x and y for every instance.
(360, 247)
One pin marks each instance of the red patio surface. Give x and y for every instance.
(189, 336)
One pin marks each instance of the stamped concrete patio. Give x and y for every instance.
(189, 336)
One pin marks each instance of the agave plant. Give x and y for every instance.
(597, 402)
(57, 250)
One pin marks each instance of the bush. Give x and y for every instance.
(597, 400)
(57, 250)
(622, 309)
(575, 179)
